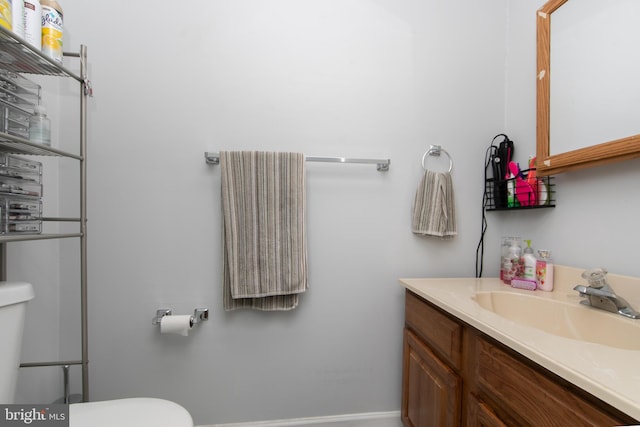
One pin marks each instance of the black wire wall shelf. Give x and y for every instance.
(520, 193)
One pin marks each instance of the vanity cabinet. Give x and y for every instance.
(433, 390)
(523, 393)
(481, 415)
(432, 385)
(455, 375)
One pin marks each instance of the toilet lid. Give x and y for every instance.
(136, 412)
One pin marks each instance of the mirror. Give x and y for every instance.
(588, 84)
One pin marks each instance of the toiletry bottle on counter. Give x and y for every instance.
(505, 260)
(504, 256)
(529, 262)
(40, 126)
(513, 266)
(544, 270)
(52, 29)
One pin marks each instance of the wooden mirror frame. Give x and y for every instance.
(595, 155)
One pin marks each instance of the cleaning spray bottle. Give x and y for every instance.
(52, 29)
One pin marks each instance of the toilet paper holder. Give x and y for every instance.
(199, 315)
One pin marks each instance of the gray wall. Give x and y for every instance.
(356, 78)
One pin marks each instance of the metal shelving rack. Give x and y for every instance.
(18, 56)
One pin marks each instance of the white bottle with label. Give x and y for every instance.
(33, 23)
(17, 18)
(40, 127)
(529, 262)
(544, 270)
(52, 29)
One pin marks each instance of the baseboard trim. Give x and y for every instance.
(313, 420)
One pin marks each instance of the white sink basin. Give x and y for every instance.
(568, 320)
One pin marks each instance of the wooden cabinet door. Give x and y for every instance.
(481, 415)
(532, 398)
(432, 391)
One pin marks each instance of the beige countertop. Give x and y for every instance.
(609, 373)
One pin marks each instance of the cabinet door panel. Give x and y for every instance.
(439, 330)
(432, 390)
(530, 396)
(481, 415)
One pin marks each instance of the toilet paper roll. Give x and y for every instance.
(176, 325)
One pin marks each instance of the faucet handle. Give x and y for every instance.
(596, 277)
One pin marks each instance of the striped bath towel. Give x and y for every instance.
(434, 211)
(264, 239)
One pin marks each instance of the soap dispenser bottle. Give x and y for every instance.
(513, 266)
(529, 261)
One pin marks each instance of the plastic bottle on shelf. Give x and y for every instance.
(5, 14)
(33, 23)
(52, 29)
(529, 262)
(17, 18)
(40, 127)
(544, 270)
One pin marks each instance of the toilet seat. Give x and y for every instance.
(134, 412)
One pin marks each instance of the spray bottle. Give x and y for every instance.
(52, 29)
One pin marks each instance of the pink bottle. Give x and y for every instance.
(544, 270)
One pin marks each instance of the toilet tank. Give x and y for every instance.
(13, 304)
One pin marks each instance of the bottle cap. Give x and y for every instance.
(544, 253)
(40, 109)
(515, 249)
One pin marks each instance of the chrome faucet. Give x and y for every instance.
(600, 295)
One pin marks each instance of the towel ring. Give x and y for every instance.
(435, 150)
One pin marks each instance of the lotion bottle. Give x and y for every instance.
(544, 270)
(529, 262)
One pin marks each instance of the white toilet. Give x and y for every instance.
(135, 412)
(138, 412)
